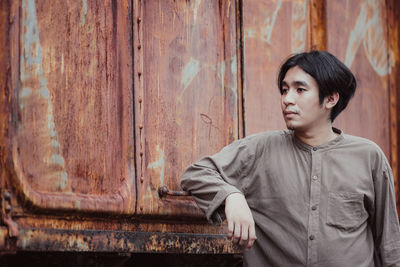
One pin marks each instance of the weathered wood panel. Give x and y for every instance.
(187, 93)
(272, 31)
(72, 141)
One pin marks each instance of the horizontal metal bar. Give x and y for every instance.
(164, 191)
(123, 242)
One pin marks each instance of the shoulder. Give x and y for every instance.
(366, 148)
(266, 138)
(260, 143)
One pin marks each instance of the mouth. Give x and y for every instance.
(289, 113)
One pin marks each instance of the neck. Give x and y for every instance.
(316, 136)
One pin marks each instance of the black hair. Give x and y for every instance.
(330, 74)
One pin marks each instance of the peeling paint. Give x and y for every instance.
(221, 75)
(368, 30)
(299, 26)
(189, 72)
(159, 164)
(34, 96)
(57, 159)
(269, 23)
(195, 10)
(251, 33)
(83, 12)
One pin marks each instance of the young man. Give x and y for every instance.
(311, 195)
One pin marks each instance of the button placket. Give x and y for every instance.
(313, 219)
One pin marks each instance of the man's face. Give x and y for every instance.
(300, 102)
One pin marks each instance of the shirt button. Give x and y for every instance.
(314, 148)
(314, 207)
(315, 178)
(312, 237)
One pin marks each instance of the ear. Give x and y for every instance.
(331, 101)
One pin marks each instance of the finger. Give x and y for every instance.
(236, 232)
(230, 229)
(252, 236)
(244, 234)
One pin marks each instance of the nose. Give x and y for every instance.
(288, 98)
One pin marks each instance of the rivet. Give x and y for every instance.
(141, 179)
(140, 100)
(139, 73)
(141, 208)
(140, 126)
(141, 153)
(139, 20)
(139, 46)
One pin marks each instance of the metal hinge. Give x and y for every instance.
(7, 214)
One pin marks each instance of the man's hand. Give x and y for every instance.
(240, 220)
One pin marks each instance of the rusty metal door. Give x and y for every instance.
(186, 93)
(70, 122)
(105, 102)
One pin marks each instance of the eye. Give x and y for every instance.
(301, 90)
(284, 91)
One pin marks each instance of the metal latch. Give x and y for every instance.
(164, 191)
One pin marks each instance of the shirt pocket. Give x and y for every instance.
(346, 210)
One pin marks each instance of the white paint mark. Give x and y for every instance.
(55, 143)
(189, 72)
(64, 180)
(195, 10)
(37, 99)
(369, 31)
(299, 26)
(234, 65)
(356, 36)
(159, 164)
(57, 159)
(25, 92)
(221, 75)
(44, 92)
(269, 23)
(234, 73)
(375, 44)
(250, 33)
(83, 13)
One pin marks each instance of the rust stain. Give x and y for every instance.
(35, 100)
(120, 241)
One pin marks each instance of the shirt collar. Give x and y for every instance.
(323, 146)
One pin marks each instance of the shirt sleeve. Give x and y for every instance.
(213, 178)
(386, 228)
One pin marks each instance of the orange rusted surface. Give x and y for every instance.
(119, 241)
(317, 37)
(272, 31)
(393, 14)
(189, 93)
(103, 103)
(72, 145)
(362, 45)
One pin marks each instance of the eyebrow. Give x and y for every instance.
(296, 83)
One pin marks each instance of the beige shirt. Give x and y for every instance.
(331, 205)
